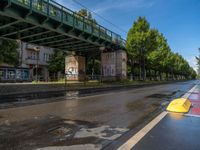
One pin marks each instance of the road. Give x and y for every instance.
(90, 122)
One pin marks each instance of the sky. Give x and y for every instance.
(178, 20)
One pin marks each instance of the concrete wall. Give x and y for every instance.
(121, 64)
(114, 64)
(75, 67)
(108, 61)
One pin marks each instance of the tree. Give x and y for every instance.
(140, 41)
(57, 61)
(86, 14)
(158, 58)
(149, 51)
(93, 67)
(8, 52)
(83, 13)
(198, 62)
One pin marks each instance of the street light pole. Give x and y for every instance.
(37, 68)
(37, 51)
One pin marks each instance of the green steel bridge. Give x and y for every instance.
(47, 23)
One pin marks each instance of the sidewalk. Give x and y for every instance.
(170, 131)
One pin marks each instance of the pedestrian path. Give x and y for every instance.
(171, 131)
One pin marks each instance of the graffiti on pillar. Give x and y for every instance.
(109, 70)
(114, 64)
(71, 67)
(75, 67)
(71, 71)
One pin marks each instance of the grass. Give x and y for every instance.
(93, 83)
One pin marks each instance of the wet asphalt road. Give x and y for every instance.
(111, 113)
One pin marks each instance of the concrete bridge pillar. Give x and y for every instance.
(114, 65)
(75, 67)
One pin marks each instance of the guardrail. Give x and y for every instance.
(60, 13)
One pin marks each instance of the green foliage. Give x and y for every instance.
(8, 52)
(141, 40)
(198, 63)
(93, 67)
(86, 14)
(148, 49)
(83, 12)
(137, 38)
(57, 61)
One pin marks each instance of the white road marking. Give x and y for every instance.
(190, 115)
(138, 136)
(187, 94)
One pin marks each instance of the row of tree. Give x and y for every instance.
(150, 56)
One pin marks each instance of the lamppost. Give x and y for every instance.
(20, 58)
(37, 49)
(102, 49)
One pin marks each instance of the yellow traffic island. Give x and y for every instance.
(180, 105)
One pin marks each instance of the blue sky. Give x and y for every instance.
(178, 20)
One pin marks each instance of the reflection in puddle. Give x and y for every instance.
(176, 116)
(72, 95)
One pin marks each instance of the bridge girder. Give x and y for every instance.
(43, 29)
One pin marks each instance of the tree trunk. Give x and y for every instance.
(93, 60)
(144, 70)
(167, 76)
(140, 71)
(133, 70)
(155, 75)
(160, 75)
(149, 73)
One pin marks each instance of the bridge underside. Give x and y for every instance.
(17, 22)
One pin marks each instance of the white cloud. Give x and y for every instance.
(108, 5)
(124, 5)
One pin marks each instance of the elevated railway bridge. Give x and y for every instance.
(47, 23)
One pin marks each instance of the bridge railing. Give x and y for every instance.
(60, 13)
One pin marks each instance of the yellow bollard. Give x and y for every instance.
(180, 105)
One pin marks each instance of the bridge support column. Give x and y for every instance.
(114, 65)
(75, 68)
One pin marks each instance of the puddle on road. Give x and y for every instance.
(154, 101)
(146, 117)
(102, 132)
(166, 96)
(51, 133)
(74, 147)
(148, 107)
